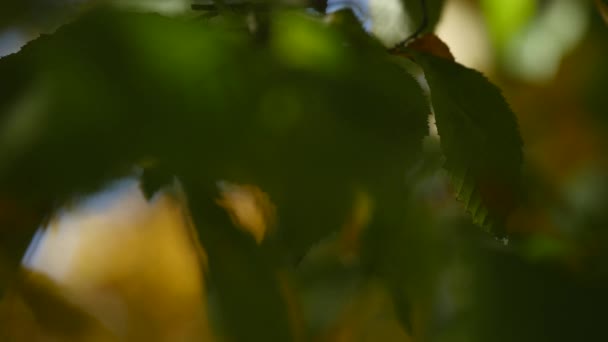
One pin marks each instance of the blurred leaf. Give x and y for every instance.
(88, 101)
(403, 308)
(536, 52)
(327, 284)
(368, 316)
(541, 248)
(402, 247)
(507, 18)
(602, 6)
(520, 301)
(318, 47)
(52, 310)
(251, 302)
(154, 179)
(479, 138)
(18, 223)
(250, 209)
(597, 80)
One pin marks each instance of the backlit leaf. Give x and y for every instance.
(479, 137)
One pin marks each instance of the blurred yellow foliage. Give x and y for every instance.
(249, 207)
(133, 265)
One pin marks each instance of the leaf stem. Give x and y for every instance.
(423, 25)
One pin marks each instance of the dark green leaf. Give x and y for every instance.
(479, 137)
(401, 248)
(249, 293)
(154, 179)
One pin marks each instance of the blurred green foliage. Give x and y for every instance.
(318, 115)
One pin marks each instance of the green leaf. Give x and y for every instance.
(479, 138)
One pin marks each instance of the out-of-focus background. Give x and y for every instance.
(133, 270)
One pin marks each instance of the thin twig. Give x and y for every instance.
(423, 26)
